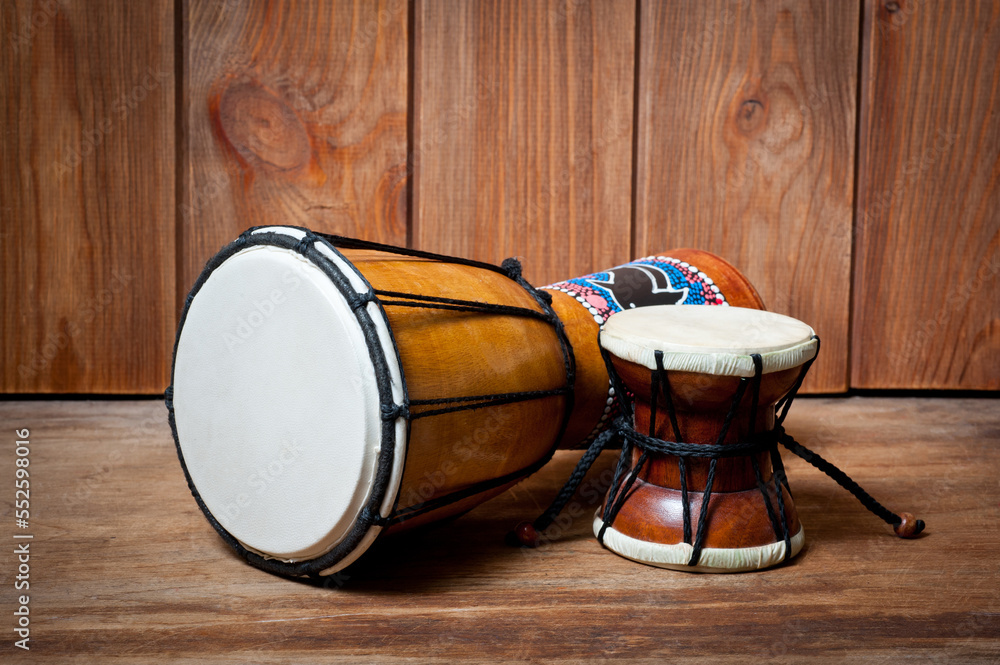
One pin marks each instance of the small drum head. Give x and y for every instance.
(281, 369)
(709, 340)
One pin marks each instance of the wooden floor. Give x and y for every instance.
(124, 568)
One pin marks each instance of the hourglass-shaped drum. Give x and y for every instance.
(700, 485)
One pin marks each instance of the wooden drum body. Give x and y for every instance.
(326, 391)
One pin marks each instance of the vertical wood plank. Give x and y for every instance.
(87, 196)
(927, 273)
(523, 132)
(746, 131)
(295, 114)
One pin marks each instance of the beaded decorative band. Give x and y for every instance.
(654, 280)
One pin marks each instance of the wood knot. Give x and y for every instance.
(750, 116)
(259, 125)
(892, 6)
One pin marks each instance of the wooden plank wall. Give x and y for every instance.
(927, 264)
(746, 148)
(296, 113)
(87, 196)
(574, 134)
(523, 132)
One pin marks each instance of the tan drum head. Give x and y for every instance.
(709, 340)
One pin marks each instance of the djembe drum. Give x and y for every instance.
(700, 485)
(327, 390)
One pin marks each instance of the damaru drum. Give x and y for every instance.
(326, 390)
(699, 487)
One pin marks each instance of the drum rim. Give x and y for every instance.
(391, 458)
(674, 556)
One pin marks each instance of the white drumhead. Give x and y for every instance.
(709, 340)
(276, 402)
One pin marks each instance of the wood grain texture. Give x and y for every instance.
(927, 268)
(295, 113)
(86, 196)
(746, 129)
(523, 132)
(124, 567)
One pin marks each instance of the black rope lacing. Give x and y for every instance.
(625, 474)
(411, 408)
(433, 302)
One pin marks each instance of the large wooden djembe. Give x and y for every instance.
(327, 390)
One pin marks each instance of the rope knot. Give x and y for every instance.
(361, 300)
(373, 517)
(512, 268)
(394, 411)
(305, 243)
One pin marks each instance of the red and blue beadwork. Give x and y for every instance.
(654, 280)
